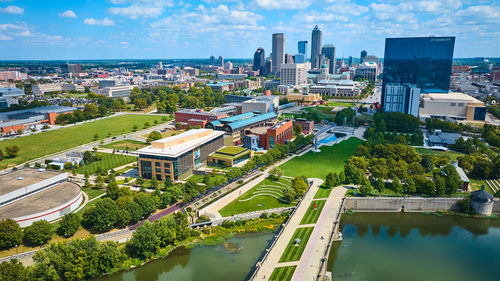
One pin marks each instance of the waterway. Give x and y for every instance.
(416, 247)
(228, 261)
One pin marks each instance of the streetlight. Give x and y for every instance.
(17, 253)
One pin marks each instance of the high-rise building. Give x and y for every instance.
(220, 62)
(362, 57)
(259, 60)
(299, 58)
(294, 74)
(71, 68)
(278, 54)
(302, 48)
(289, 58)
(421, 61)
(212, 60)
(402, 98)
(350, 61)
(315, 47)
(329, 51)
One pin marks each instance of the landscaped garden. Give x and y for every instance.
(108, 161)
(323, 192)
(268, 194)
(313, 212)
(294, 250)
(319, 164)
(126, 145)
(45, 143)
(284, 273)
(340, 103)
(449, 153)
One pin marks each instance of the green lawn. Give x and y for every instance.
(312, 215)
(92, 192)
(476, 185)
(109, 161)
(319, 164)
(292, 252)
(284, 273)
(451, 154)
(323, 192)
(340, 103)
(251, 200)
(37, 145)
(126, 145)
(231, 150)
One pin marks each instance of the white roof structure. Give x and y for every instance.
(177, 145)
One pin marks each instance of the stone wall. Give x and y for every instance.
(411, 204)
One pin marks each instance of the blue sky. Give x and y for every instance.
(91, 29)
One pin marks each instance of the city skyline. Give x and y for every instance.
(146, 29)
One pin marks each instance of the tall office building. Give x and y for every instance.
(220, 62)
(350, 61)
(259, 60)
(278, 54)
(302, 48)
(424, 62)
(212, 60)
(362, 57)
(329, 51)
(315, 47)
(289, 58)
(71, 68)
(294, 74)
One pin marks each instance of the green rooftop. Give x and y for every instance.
(231, 150)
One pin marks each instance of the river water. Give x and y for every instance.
(228, 261)
(375, 247)
(416, 247)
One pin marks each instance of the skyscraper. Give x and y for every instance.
(289, 58)
(350, 61)
(220, 62)
(302, 48)
(259, 60)
(362, 57)
(212, 60)
(422, 62)
(315, 47)
(329, 51)
(278, 54)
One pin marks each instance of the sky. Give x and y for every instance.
(156, 29)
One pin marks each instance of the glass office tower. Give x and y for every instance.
(421, 61)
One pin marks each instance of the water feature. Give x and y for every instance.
(331, 137)
(231, 260)
(411, 247)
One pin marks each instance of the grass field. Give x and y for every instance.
(284, 273)
(340, 103)
(319, 164)
(451, 154)
(109, 161)
(476, 185)
(92, 192)
(231, 150)
(126, 145)
(323, 192)
(37, 145)
(312, 215)
(292, 252)
(260, 197)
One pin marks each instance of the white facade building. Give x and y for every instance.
(116, 91)
(45, 88)
(8, 96)
(402, 98)
(294, 74)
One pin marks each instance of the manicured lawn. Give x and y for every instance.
(340, 103)
(126, 145)
(319, 164)
(109, 161)
(312, 215)
(476, 185)
(292, 252)
(323, 192)
(92, 192)
(37, 145)
(231, 150)
(284, 273)
(260, 197)
(451, 154)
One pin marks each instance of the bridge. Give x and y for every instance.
(312, 263)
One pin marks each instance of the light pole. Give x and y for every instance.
(17, 253)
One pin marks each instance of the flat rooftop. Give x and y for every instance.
(50, 198)
(459, 97)
(24, 177)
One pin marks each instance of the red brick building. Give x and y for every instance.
(198, 117)
(307, 126)
(280, 133)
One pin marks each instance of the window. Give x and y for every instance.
(166, 165)
(157, 164)
(453, 104)
(461, 104)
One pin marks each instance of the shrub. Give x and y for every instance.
(39, 233)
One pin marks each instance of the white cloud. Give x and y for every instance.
(392, 13)
(348, 8)
(124, 43)
(141, 8)
(479, 15)
(68, 14)
(5, 37)
(12, 10)
(283, 4)
(103, 22)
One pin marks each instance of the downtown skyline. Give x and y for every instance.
(144, 29)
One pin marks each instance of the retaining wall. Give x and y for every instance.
(410, 204)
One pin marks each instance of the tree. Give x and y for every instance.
(112, 190)
(38, 233)
(452, 179)
(396, 185)
(276, 173)
(440, 184)
(331, 180)
(297, 129)
(146, 202)
(102, 217)
(69, 224)
(379, 184)
(289, 195)
(299, 185)
(352, 173)
(11, 151)
(427, 163)
(365, 187)
(154, 135)
(341, 177)
(144, 243)
(11, 233)
(13, 270)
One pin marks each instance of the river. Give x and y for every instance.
(416, 247)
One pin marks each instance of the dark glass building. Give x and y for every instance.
(421, 61)
(329, 51)
(259, 60)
